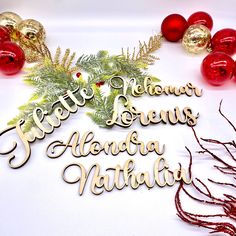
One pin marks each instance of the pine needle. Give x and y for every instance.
(69, 62)
(65, 57)
(57, 56)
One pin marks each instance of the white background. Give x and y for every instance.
(34, 200)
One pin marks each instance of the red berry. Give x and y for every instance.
(4, 34)
(78, 74)
(217, 68)
(100, 83)
(224, 41)
(12, 58)
(173, 27)
(201, 18)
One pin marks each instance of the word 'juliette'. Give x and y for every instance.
(40, 118)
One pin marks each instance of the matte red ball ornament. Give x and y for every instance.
(173, 27)
(224, 41)
(201, 18)
(12, 58)
(217, 68)
(4, 34)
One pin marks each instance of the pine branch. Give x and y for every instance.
(145, 50)
(102, 106)
(51, 79)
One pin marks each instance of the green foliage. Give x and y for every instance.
(50, 82)
(26, 113)
(52, 78)
(102, 106)
(102, 67)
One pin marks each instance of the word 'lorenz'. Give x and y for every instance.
(129, 114)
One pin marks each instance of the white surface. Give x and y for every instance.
(34, 200)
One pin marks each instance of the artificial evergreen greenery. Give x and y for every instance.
(51, 78)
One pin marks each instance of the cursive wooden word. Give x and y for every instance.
(152, 89)
(119, 178)
(82, 147)
(45, 123)
(129, 114)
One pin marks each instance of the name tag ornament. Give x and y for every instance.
(120, 177)
(41, 130)
(86, 144)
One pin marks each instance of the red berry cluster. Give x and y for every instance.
(217, 67)
(100, 83)
(12, 57)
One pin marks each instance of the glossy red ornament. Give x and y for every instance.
(12, 58)
(173, 27)
(4, 34)
(201, 18)
(235, 70)
(217, 68)
(224, 41)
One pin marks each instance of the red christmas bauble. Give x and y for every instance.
(201, 18)
(12, 58)
(4, 34)
(217, 68)
(235, 70)
(173, 27)
(224, 41)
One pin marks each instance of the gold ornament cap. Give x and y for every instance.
(196, 38)
(10, 20)
(31, 31)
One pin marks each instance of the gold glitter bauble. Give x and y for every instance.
(196, 38)
(31, 35)
(31, 55)
(31, 31)
(10, 20)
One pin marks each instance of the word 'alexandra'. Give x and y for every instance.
(119, 178)
(82, 147)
